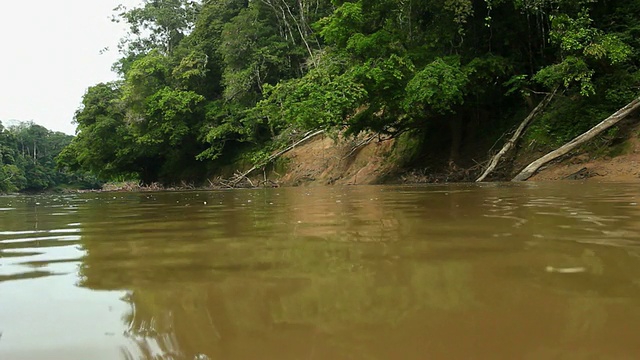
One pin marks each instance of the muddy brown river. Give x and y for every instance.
(491, 271)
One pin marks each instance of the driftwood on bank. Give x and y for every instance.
(566, 148)
(583, 173)
(240, 176)
(512, 142)
(357, 146)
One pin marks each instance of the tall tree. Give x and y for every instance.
(204, 83)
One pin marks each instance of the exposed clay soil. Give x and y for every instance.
(325, 161)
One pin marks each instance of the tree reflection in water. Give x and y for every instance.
(333, 308)
(290, 275)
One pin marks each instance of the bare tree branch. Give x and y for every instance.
(566, 148)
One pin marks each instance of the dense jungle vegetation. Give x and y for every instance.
(27, 160)
(204, 84)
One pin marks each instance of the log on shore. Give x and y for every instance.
(566, 148)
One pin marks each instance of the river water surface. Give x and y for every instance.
(491, 271)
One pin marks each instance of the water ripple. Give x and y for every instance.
(34, 243)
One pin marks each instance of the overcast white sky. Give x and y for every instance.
(50, 55)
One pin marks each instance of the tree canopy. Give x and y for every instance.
(204, 82)
(27, 160)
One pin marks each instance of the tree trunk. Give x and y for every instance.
(456, 139)
(512, 142)
(564, 149)
(244, 175)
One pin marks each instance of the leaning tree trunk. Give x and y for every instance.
(244, 175)
(564, 149)
(512, 142)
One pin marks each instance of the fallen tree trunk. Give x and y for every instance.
(244, 175)
(564, 149)
(512, 142)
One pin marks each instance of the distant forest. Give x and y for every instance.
(27, 160)
(206, 84)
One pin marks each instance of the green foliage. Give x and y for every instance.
(618, 88)
(226, 122)
(566, 120)
(165, 114)
(206, 83)
(191, 70)
(147, 75)
(323, 98)
(578, 36)
(571, 70)
(345, 21)
(461, 9)
(253, 55)
(439, 87)
(12, 178)
(157, 24)
(103, 144)
(27, 159)
(580, 45)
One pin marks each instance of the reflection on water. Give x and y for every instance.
(495, 271)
